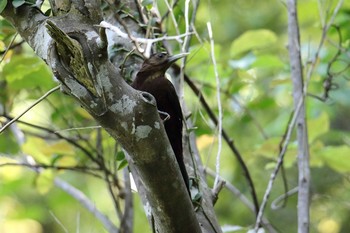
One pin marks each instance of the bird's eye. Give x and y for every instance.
(161, 55)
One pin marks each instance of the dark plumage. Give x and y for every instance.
(151, 78)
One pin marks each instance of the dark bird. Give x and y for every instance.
(151, 78)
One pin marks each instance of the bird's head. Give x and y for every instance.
(160, 62)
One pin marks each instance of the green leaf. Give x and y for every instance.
(318, 126)
(337, 157)
(34, 147)
(270, 149)
(8, 143)
(123, 164)
(6, 29)
(315, 149)
(252, 40)
(268, 61)
(48, 12)
(26, 72)
(44, 182)
(8, 172)
(120, 156)
(2, 46)
(147, 3)
(18, 3)
(197, 197)
(279, 81)
(244, 62)
(3, 4)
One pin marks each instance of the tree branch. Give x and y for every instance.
(82, 199)
(72, 191)
(228, 140)
(302, 136)
(30, 107)
(279, 164)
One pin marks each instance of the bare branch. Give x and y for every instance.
(81, 198)
(59, 222)
(278, 165)
(325, 30)
(72, 191)
(127, 220)
(10, 46)
(218, 99)
(84, 169)
(147, 43)
(275, 203)
(78, 128)
(173, 19)
(235, 191)
(69, 140)
(30, 107)
(228, 140)
(302, 136)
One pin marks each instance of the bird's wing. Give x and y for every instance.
(174, 100)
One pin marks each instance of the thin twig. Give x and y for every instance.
(187, 26)
(82, 199)
(107, 174)
(56, 167)
(78, 128)
(278, 165)
(186, 43)
(9, 47)
(275, 203)
(72, 191)
(245, 109)
(126, 224)
(99, 162)
(325, 30)
(59, 222)
(30, 107)
(218, 99)
(65, 119)
(280, 147)
(228, 140)
(125, 26)
(146, 51)
(69, 140)
(170, 10)
(235, 191)
(328, 84)
(166, 13)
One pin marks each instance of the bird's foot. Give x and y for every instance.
(165, 115)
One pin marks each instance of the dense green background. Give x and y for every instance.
(253, 64)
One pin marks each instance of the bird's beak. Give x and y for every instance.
(176, 57)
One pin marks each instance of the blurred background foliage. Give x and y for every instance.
(256, 91)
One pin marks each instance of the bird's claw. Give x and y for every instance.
(167, 116)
